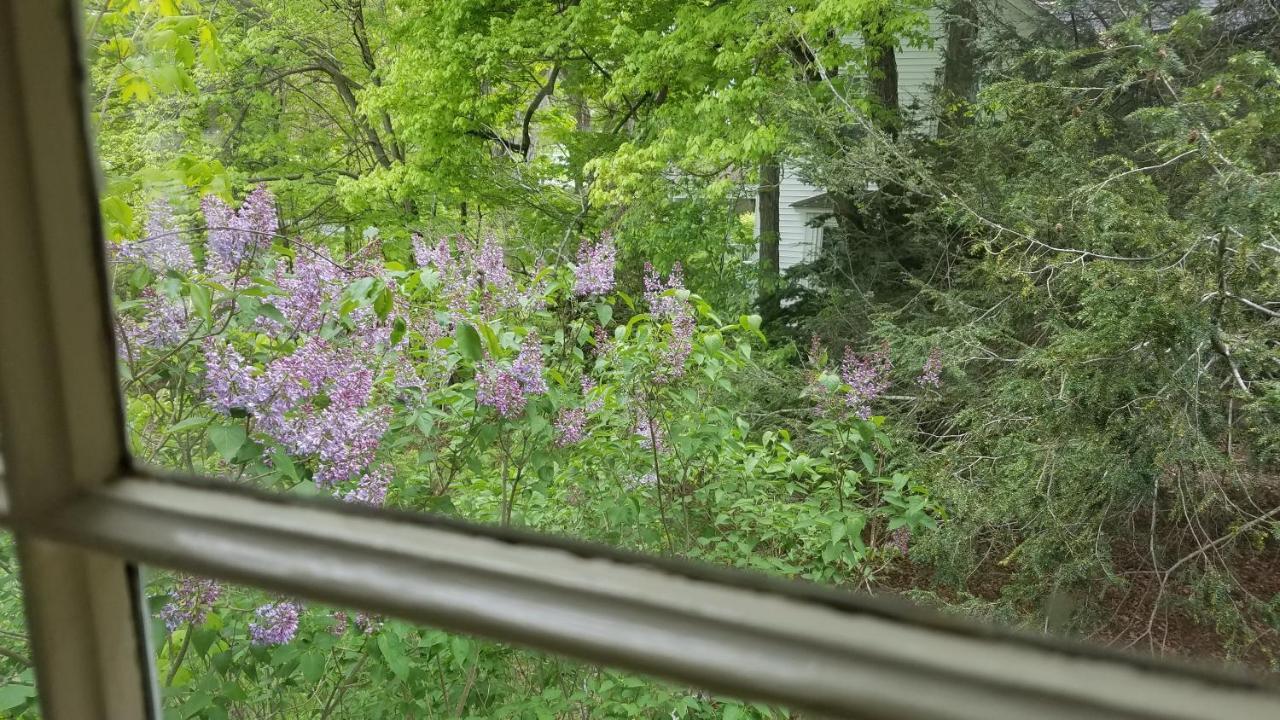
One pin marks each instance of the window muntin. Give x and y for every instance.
(217, 657)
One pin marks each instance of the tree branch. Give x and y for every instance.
(526, 143)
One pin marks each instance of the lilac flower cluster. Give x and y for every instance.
(570, 426)
(313, 402)
(368, 623)
(237, 235)
(469, 270)
(650, 434)
(426, 255)
(190, 602)
(164, 321)
(636, 482)
(867, 377)
(509, 390)
(669, 301)
(491, 263)
(163, 248)
(372, 488)
(340, 622)
(815, 351)
(571, 423)
(593, 274)
(343, 433)
(603, 341)
(275, 623)
(528, 367)
(316, 282)
(500, 390)
(931, 374)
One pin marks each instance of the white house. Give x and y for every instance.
(800, 205)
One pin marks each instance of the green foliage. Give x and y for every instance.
(1095, 253)
(662, 461)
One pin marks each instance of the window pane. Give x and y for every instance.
(227, 651)
(517, 264)
(17, 672)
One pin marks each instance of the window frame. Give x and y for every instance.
(85, 515)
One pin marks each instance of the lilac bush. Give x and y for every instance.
(445, 379)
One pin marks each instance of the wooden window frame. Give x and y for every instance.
(84, 515)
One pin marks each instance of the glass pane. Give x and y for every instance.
(17, 672)
(227, 652)
(519, 263)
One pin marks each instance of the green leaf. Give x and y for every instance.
(868, 462)
(604, 312)
(202, 302)
(227, 440)
(271, 311)
(284, 465)
(382, 303)
(312, 666)
(11, 696)
(469, 343)
(393, 652)
(194, 422)
(397, 331)
(838, 530)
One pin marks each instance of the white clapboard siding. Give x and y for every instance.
(917, 77)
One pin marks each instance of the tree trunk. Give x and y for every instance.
(959, 71)
(767, 205)
(886, 81)
(884, 74)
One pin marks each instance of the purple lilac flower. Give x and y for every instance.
(594, 404)
(229, 381)
(162, 249)
(275, 623)
(667, 302)
(189, 602)
(368, 622)
(234, 236)
(164, 321)
(571, 426)
(425, 255)
(815, 350)
(636, 482)
(931, 375)
(340, 621)
(867, 377)
(315, 283)
(372, 489)
(594, 272)
(314, 402)
(259, 213)
(528, 367)
(650, 434)
(492, 265)
(500, 390)
(603, 342)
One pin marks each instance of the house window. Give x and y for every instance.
(87, 515)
